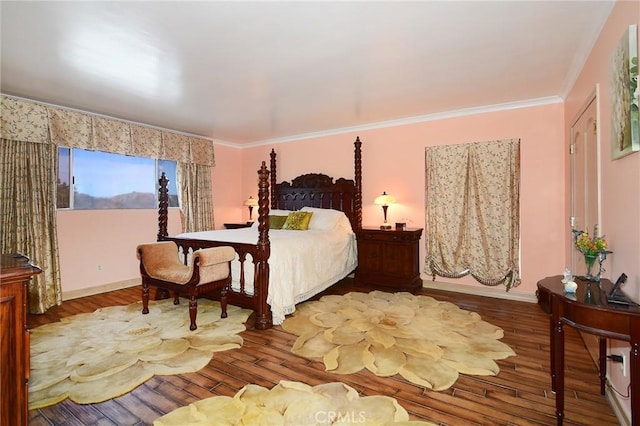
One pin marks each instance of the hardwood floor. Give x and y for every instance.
(519, 395)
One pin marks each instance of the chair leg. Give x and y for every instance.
(193, 311)
(145, 298)
(223, 302)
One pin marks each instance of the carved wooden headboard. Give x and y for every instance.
(320, 191)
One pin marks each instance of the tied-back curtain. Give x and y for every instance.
(473, 211)
(195, 197)
(27, 208)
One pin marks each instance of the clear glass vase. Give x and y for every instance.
(592, 271)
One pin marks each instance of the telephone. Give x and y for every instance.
(621, 280)
(616, 296)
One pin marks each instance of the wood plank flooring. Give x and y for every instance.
(519, 395)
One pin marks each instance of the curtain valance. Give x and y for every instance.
(32, 122)
(23, 121)
(71, 129)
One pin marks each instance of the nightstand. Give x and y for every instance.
(389, 259)
(238, 225)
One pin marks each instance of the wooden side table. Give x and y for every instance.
(589, 310)
(15, 273)
(389, 258)
(238, 225)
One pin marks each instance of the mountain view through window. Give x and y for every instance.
(100, 180)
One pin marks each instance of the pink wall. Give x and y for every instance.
(88, 238)
(620, 179)
(393, 161)
(227, 187)
(620, 187)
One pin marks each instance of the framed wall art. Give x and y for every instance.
(625, 129)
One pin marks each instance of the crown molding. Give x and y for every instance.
(412, 120)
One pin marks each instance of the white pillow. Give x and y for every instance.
(277, 212)
(326, 219)
(273, 212)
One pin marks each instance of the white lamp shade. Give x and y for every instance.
(385, 199)
(251, 202)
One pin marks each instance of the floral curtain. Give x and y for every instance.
(146, 142)
(111, 135)
(202, 152)
(28, 215)
(23, 121)
(473, 211)
(70, 128)
(195, 197)
(30, 135)
(29, 121)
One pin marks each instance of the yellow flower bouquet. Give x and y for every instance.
(592, 247)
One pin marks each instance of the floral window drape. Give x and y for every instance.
(195, 197)
(30, 134)
(27, 197)
(473, 211)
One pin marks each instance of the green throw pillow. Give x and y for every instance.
(298, 221)
(276, 222)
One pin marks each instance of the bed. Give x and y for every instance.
(276, 269)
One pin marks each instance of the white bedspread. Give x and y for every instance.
(302, 263)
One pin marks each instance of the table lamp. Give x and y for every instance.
(251, 203)
(384, 200)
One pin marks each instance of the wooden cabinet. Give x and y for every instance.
(15, 273)
(389, 259)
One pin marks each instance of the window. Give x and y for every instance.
(100, 180)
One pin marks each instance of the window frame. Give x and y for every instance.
(157, 166)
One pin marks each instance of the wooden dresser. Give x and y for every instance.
(15, 273)
(389, 259)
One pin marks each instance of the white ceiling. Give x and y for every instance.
(251, 72)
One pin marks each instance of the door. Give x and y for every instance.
(585, 196)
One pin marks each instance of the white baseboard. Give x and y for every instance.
(616, 404)
(75, 294)
(481, 291)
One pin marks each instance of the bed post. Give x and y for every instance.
(358, 177)
(163, 207)
(261, 282)
(274, 201)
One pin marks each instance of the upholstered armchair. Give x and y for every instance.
(209, 270)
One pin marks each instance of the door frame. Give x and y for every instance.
(594, 97)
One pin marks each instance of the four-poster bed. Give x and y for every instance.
(254, 275)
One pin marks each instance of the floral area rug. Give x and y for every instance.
(292, 403)
(426, 341)
(94, 357)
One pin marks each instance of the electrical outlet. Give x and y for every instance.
(99, 267)
(623, 365)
